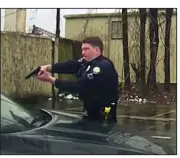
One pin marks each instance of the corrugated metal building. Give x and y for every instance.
(109, 27)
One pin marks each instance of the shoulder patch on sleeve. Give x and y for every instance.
(96, 70)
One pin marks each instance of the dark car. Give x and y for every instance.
(58, 132)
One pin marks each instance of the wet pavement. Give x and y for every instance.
(154, 122)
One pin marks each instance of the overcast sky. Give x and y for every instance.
(46, 18)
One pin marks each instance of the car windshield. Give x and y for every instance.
(14, 118)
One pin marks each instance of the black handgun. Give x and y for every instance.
(33, 73)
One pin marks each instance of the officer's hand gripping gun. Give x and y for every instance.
(33, 73)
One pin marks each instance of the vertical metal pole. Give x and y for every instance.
(53, 87)
(54, 50)
(58, 25)
(58, 33)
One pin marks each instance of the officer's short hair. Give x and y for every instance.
(94, 41)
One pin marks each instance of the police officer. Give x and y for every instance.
(97, 83)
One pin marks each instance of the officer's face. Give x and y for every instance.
(89, 52)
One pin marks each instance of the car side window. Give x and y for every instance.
(9, 126)
(8, 107)
(9, 112)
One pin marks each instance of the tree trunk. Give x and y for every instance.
(137, 72)
(125, 48)
(169, 13)
(154, 42)
(143, 15)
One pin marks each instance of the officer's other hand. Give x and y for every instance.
(44, 68)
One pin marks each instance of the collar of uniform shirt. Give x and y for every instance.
(92, 61)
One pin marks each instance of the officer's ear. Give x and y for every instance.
(97, 49)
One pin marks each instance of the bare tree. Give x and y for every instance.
(169, 13)
(143, 15)
(154, 42)
(125, 48)
(135, 37)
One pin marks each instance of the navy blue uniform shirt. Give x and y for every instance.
(97, 82)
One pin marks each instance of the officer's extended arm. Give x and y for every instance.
(83, 85)
(68, 67)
